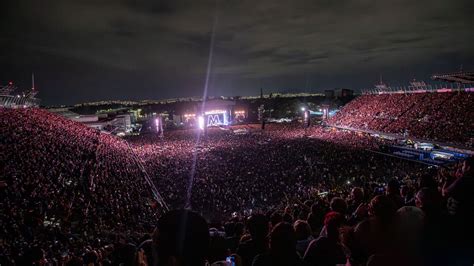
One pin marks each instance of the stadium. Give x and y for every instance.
(387, 178)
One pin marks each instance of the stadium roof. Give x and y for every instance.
(458, 77)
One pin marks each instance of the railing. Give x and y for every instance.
(11, 101)
(440, 88)
(148, 180)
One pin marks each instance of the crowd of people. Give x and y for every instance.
(283, 196)
(66, 188)
(226, 170)
(444, 117)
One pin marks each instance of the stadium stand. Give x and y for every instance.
(444, 117)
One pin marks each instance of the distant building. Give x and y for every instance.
(343, 93)
(329, 93)
(121, 123)
(338, 93)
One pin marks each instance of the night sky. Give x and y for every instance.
(86, 50)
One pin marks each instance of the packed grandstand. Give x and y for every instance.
(286, 195)
(442, 116)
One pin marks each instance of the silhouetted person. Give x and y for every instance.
(327, 250)
(357, 208)
(458, 188)
(257, 226)
(276, 218)
(376, 234)
(282, 250)
(234, 238)
(356, 198)
(183, 239)
(315, 218)
(303, 236)
(434, 235)
(338, 205)
(406, 193)
(393, 193)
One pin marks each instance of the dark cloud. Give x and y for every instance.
(156, 7)
(120, 49)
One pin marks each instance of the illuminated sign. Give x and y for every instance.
(216, 119)
(213, 120)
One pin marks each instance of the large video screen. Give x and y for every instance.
(215, 119)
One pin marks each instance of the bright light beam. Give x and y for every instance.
(204, 96)
(201, 124)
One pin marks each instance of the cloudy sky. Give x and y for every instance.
(84, 50)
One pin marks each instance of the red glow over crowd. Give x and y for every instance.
(446, 117)
(285, 196)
